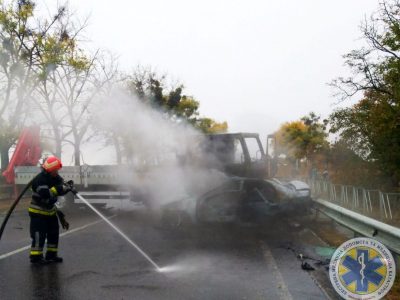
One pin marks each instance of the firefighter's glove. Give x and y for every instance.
(70, 186)
(64, 223)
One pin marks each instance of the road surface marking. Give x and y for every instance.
(63, 234)
(281, 287)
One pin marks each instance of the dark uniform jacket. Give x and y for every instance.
(45, 189)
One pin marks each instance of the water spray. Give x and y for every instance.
(121, 233)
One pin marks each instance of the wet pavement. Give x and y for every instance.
(236, 261)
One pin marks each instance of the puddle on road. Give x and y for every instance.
(326, 252)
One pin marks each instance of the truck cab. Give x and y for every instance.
(237, 154)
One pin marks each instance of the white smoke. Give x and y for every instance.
(159, 150)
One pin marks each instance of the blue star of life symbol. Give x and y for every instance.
(362, 270)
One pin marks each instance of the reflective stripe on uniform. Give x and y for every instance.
(53, 191)
(52, 249)
(42, 212)
(33, 252)
(34, 206)
(41, 187)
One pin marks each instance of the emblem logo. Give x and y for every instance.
(362, 268)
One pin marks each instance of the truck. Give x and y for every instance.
(232, 177)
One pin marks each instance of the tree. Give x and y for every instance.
(65, 80)
(62, 74)
(207, 125)
(150, 87)
(349, 168)
(70, 91)
(305, 139)
(176, 108)
(372, 126)
(33, 53)
(302, 139)
(16, 66)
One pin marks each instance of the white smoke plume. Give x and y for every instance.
(160, 150)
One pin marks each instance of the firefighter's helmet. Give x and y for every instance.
(52, 164)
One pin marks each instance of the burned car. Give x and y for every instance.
(247, 191)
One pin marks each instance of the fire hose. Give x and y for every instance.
(10, 211)
(15, 203)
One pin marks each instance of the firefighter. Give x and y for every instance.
(44, 214)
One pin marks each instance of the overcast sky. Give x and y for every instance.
(255, 64)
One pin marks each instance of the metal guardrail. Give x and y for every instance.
(372, 203)
(85, 175)
(363, 211)
(363, 225)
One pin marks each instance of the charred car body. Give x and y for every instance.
(247, 192)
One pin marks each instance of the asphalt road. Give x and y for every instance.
(237, 261)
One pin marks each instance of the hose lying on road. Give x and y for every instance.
(3, 225)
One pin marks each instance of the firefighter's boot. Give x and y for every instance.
(52, 257)
(38, 260)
